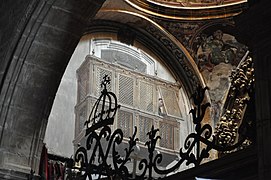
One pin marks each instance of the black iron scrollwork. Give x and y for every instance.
(101, 156)
(151, 144)
(102, 145)
(199, 143)
(98, 161)
(107, 113)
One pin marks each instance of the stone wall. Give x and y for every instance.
(39, 39)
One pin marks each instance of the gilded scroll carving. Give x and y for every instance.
(242, 81)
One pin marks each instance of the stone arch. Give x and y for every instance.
(34, 59)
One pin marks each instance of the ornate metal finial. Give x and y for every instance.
(104, 109)
(105, 82)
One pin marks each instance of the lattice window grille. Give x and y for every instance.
(126, 90)
(125, 122)
(82, 117)
(167, 135)
(144, 127)
(99, 78)
(83, 83)
(170, 101)
(146, 97)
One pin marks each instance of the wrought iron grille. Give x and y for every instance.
(100, 157)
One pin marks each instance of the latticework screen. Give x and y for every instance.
(99, 78)
(144, 127)
(83, 83)
(82, 117)
(125, 122)
(167, 135)
(146, 97)
(170, 102)
(126, 90)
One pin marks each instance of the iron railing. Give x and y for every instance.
(99, 158)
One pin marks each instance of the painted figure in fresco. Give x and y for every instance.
(215, 50)
(216, 56)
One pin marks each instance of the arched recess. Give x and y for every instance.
(154, 37)
(40, 47)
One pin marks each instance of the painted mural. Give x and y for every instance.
(218, 48)
(217, 55)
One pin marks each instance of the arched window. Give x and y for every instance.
(147, 92)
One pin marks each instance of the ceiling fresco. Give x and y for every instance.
(190, 10)
(196, 3)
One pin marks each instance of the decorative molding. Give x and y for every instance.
(178, 54)
(229, 129)
(180, 12)
(156, 40)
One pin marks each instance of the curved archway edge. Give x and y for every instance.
(160, 45)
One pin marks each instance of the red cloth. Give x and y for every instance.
(43, 168)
